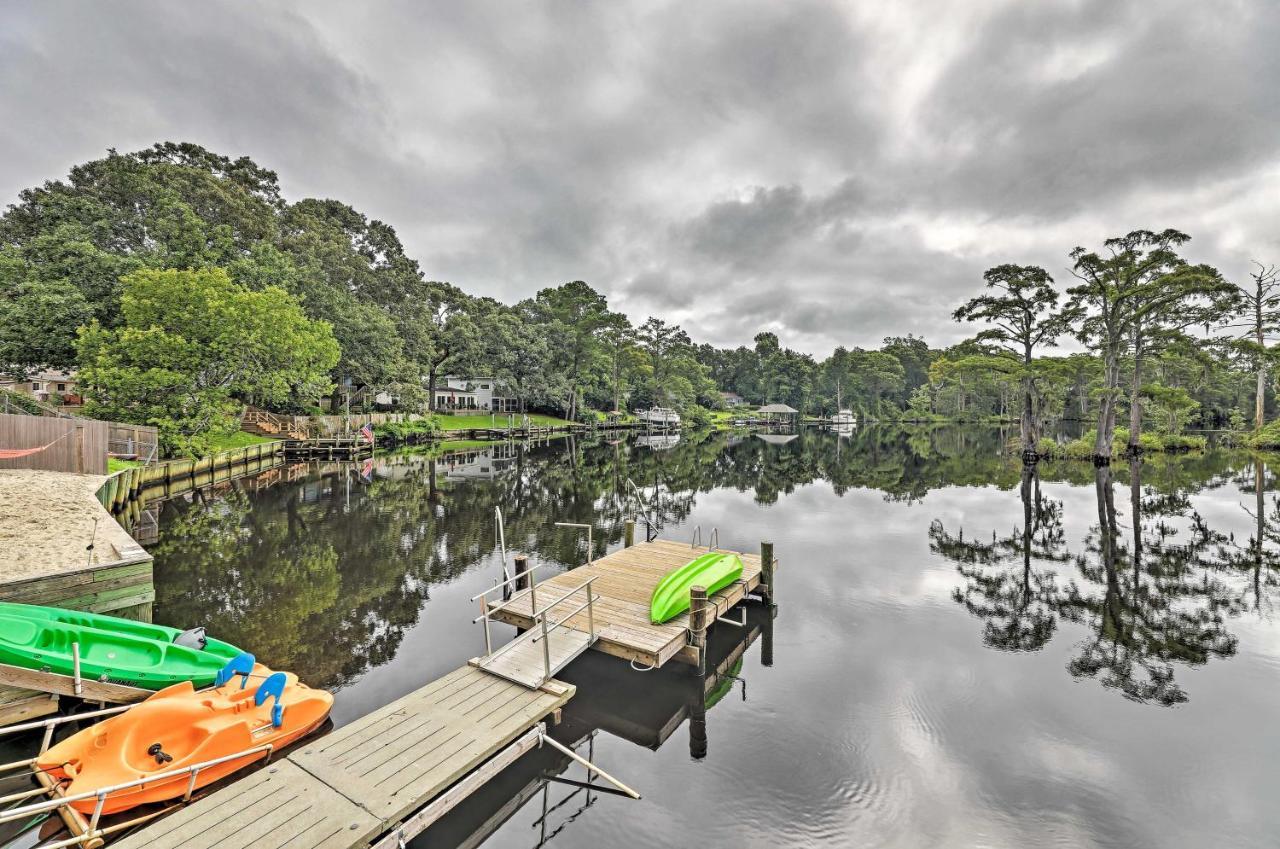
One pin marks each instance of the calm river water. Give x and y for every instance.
(963, 655)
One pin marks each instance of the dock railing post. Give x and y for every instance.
(698, 624)
(767, 567)
(546, 651)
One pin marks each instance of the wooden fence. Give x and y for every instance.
(68, 445)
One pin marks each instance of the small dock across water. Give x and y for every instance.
(623, 584)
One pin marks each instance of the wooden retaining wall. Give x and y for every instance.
(78, 445)
(174, 476)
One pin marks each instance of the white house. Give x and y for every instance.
(473, 393)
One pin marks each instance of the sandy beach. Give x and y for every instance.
(47, 521)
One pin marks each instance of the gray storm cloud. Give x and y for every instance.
(832, 172)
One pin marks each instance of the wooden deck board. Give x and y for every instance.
(524, 662)
(345, 789)
(624, 583)
(395, 759)
(278, 806)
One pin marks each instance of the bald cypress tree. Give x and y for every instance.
(1021, 309)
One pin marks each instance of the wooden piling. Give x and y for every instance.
(629, 533)
(699, 623)
(521, 562)
(767, 565)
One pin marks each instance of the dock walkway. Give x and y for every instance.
(624, 583)
(354, 786)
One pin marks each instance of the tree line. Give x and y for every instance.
(183, 285)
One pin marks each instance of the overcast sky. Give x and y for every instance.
(834, 172)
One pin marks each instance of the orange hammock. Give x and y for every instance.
(16, 453)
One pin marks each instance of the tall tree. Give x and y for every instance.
(1023, 311)
(193, 344)
(575, 316)
(1257, 305)
(1136, 288)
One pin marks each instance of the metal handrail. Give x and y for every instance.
(590, 532)
(48, 725)
(513, 578)
(715, 539)
(502, 538)
(640, 502)
(102, 793)
(560, 622)
(697, 536)
(585, 583)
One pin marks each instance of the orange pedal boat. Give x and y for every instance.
(180, 727)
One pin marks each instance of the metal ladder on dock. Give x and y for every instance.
(546, 648)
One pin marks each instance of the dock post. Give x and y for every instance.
(767, 572)
(698, 624)
(521, 562)
(698, 720)
(766, 637)
(629, 533)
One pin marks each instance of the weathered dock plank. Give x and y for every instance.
(280, 805)
(624, 583)
(344, 789)
(402, 755)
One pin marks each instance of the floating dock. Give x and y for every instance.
(391, 774)
(357, 786)
(623, 584)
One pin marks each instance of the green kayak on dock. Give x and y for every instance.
(714, 571)
(121, 651)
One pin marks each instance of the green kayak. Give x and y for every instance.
(714, 570)
(111, 649)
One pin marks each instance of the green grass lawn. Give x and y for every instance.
(232, 441)
(115, 464)
(470, 422)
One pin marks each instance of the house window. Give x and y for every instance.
(62, 387)
(35, 386)
(484, 386)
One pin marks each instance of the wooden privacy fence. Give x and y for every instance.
(67, 445)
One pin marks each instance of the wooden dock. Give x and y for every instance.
(357, 785)
(624, 583)
(329, 447)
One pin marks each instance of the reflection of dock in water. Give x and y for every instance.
(643, 709)
(434, 754)
(658, 441)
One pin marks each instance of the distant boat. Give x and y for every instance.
(660, 417)
(843, 418)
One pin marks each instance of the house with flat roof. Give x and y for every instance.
(473, 393)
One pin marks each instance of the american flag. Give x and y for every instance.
(366, 471)
(367, 432)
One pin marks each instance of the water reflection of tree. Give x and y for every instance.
(1150, 603)
(1153, 596)
(1002, 586)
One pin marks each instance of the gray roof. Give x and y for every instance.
(777, 408)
